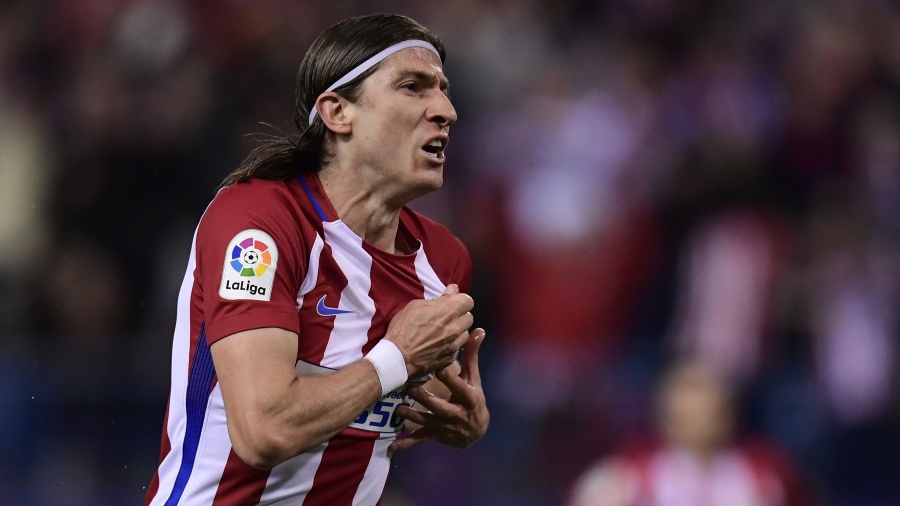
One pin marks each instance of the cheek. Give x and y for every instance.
(389, 129)
(375, 134)
(390, 135)
(384, 143)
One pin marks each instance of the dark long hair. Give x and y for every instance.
(337, 51)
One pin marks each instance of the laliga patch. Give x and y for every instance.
(249, 270)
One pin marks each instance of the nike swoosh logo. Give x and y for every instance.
(324, 310)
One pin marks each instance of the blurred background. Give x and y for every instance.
(640, 183)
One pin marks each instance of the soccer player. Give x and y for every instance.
(315, 303)
(695, 458)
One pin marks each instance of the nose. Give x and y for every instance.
(441, 110)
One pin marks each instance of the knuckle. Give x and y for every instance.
(467, 302)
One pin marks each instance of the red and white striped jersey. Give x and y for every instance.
(654, 473)
(275, 254)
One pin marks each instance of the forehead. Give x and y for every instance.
(416, 59)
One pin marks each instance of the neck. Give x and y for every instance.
(362, 207)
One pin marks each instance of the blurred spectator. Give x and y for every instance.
(574, 241)
(695, 458)
(731, 263)
(853, 313)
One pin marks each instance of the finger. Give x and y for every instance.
(412, 415)
(412, 439)
(464, 394)
(461, 392)
(451, 289)
(450, 379)
(460, 340)
(464, 303)
(469, 361)
(437, 406)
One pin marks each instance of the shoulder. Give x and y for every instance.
(427, 229)
(257, 203)
(773, 465)
(764, 454)
(257, 194)
(434, 236)
(266, 210)
(610, 481)
(446, 253)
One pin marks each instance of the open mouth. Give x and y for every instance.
(435, 148)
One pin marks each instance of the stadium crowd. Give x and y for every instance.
(638, 181)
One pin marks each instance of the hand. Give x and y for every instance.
(458, 421)
(429, 333)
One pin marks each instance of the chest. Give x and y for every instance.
(350, 294)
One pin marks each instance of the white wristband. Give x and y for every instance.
(389, 364)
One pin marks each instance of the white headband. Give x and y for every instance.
(371, 62)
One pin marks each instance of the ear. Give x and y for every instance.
(335, 113)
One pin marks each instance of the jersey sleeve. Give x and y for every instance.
(250, 260)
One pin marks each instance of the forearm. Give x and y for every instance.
(273, 413)
(309, 411)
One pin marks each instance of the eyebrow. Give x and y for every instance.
(420, 75)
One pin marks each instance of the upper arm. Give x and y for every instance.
(251, 258)
(253, 364)
(254, 368)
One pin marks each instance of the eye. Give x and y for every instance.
(411, 86)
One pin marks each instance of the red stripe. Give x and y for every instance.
(165, 446)
(394, 284)
(240, 483)
(358, 433)
(341, 471)
(317, 329)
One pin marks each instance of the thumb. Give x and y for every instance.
(451, 289)
(469, 360)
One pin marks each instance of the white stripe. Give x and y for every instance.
(290, 481)
(351, 330)
(212, 453)
(181, 346)
(312, 272)
(434, 287)
(372, 484)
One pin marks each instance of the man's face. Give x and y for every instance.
(401, 124)
(696, 411)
